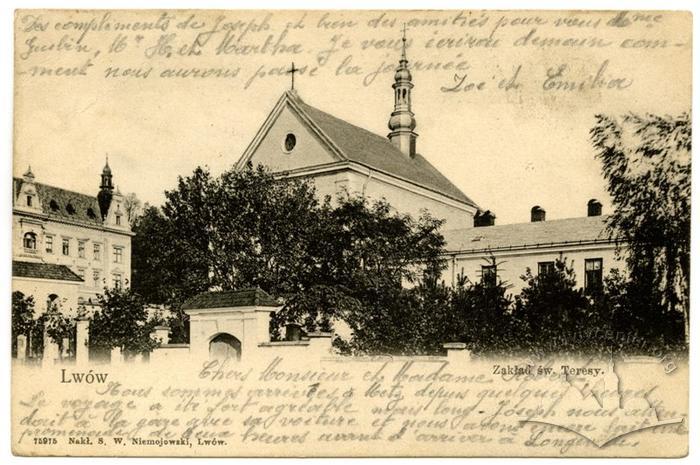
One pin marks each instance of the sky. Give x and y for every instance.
(507, 150)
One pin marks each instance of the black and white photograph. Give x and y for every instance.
(351, 233)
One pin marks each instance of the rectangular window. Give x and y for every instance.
(544, 268)
(81, 273)
(119, 220)
(81, 249)
(49, 244)
(489, 275)
(96, 279)
(117, 281)
(29, 200)
(594, 275)
(118, 254)
(96, 253)
(66, 246)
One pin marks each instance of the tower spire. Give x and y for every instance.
(104, 196)
(403, 44)
(106, 176)
(402, 121)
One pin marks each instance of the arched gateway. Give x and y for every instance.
(228, 324)
(224, 346)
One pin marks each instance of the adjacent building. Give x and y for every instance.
(489, 253)
(68, 246)
(300, 141)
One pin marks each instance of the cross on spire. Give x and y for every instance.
(291, 71)
(403, 44)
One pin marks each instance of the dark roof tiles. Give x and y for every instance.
(43, 271)
(251, 297)
(372, 150)
(61, 203)
(541, 233)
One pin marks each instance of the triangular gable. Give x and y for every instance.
(313, 146)
(334, 140)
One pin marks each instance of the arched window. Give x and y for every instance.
(225, 346)
(54, 205)
(70, 209)
(52, 303)
(30, 241)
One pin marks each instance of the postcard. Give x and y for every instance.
(366, 233)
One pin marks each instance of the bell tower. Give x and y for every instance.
(104, 197)
(402, 121)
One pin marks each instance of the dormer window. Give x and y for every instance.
(118, 220)
(70, 209)
(30, 241)
(29, 200)
(53, 205)
(91, 213)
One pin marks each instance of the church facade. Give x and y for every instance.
(68, 246)
(300, 141)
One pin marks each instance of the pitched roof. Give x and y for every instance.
(528, 235)
(81, 204)
(43, 271)
(250, 297)
(375, 151)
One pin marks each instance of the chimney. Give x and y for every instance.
(537, 214)
(595, 208)
(484, 219)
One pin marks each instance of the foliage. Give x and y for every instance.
(400, 322)
(246, 228)
(482, 317)
(552, 310)
(122, 321)
(22, 317)
(132, 207)
(163, 271)
(646, 163)
(57, 326)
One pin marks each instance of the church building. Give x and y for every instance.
(300, 141)
(68, 246)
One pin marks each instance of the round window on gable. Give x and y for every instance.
(290, 141)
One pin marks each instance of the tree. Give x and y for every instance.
(646, 163)
(482, 317)
(552, 310)
(247, 228)
(132, 206)
(163, 270)
(121, 321)
(22, 318)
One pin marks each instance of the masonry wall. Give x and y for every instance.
(399, 197)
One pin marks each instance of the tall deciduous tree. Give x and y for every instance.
(122, 321)
(132, 207)
(646, 163)
(247, 228)
(22, 317)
